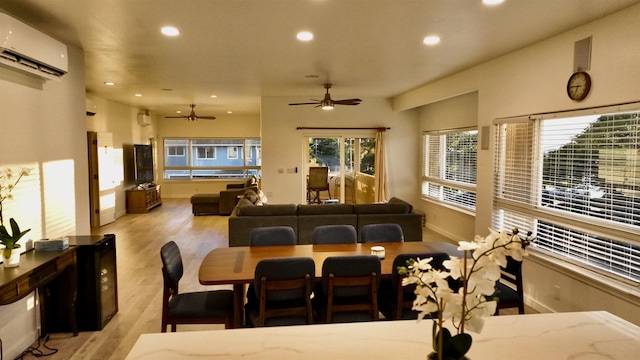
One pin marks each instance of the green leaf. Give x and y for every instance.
(10, 240)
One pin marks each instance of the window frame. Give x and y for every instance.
(562, 231)
(189, 171)
(435, 184)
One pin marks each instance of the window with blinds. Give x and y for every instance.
(575, 182)
(449, 167)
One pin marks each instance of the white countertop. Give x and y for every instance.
(576, 336)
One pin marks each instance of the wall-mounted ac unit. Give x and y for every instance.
(144, 119)
(29, 50)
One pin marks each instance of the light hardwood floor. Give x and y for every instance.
(138, 241)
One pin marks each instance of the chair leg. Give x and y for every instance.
(173, 327)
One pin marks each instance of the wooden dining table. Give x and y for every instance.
(236, 265)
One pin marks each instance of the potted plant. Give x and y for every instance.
(11, 251)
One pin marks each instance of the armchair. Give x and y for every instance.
(229, 198)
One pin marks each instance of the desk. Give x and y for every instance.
(37, 269)
(236, 265)
(581, 335)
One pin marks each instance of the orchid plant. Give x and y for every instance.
(475, 275)
(8, 181)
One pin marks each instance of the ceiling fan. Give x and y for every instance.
(327, 103)
(192, 116)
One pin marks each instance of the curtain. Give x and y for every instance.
(381, 184)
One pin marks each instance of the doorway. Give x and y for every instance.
(102, 183)
(351, 163)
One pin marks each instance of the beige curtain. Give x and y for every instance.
(382, 186)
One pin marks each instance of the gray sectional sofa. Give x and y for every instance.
(304, 218)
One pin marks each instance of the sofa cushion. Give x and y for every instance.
(396, 200)
(268, 210)
(244, 202)
(251, 196)
(205, 199)
(334, 209)
(388, 208)
(251, 181)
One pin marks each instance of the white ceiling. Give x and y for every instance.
(241, 50)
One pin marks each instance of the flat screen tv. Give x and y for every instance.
(143, 160)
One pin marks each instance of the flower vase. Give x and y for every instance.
(434, 356)
(12, 260)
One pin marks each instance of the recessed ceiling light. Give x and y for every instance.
(139, 95)
(492, 2)
(178, 112)
(109, 83)
(214, 96)
(305, 36)
(431, 40)
(229, 112)
(170, 31)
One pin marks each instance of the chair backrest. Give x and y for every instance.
(381, 233)
(172, 268)
(334, 234)
(318, 177)
(512, 274)
(350, 266)
(283, 269)
(283, 286)
(511, 277)
(272, 235)
(350, 284)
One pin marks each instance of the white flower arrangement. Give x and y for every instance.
(8, 182)
(467, 306)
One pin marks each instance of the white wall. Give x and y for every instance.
(122, 122)
(42, 124)
(533, 80)
(283, 146)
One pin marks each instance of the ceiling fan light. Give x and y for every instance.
(326, 104)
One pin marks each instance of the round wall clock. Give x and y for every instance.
(579, 85)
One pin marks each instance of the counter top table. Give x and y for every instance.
(580, 335)
(236, 265)
(37, 269)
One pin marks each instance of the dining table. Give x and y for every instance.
(236, 265)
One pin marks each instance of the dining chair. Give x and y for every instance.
(334, 234)
(395, 301)
(272, 235)
(318, 181)
(509, 291)
(269, 236)
(386, 232)
(349, 289)
(203, 307)
(283, 287)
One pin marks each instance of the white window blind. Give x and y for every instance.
(575, 182)
(449, 167)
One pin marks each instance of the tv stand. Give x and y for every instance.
(141, 199)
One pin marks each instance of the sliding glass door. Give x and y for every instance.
(351, 163)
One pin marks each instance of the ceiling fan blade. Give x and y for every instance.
(347, 102)
(176, 117)
(207, 117)
(307, 103)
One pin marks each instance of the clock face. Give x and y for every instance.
(579, 85)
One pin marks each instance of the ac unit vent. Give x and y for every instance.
(29, 50)
(144, 120)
